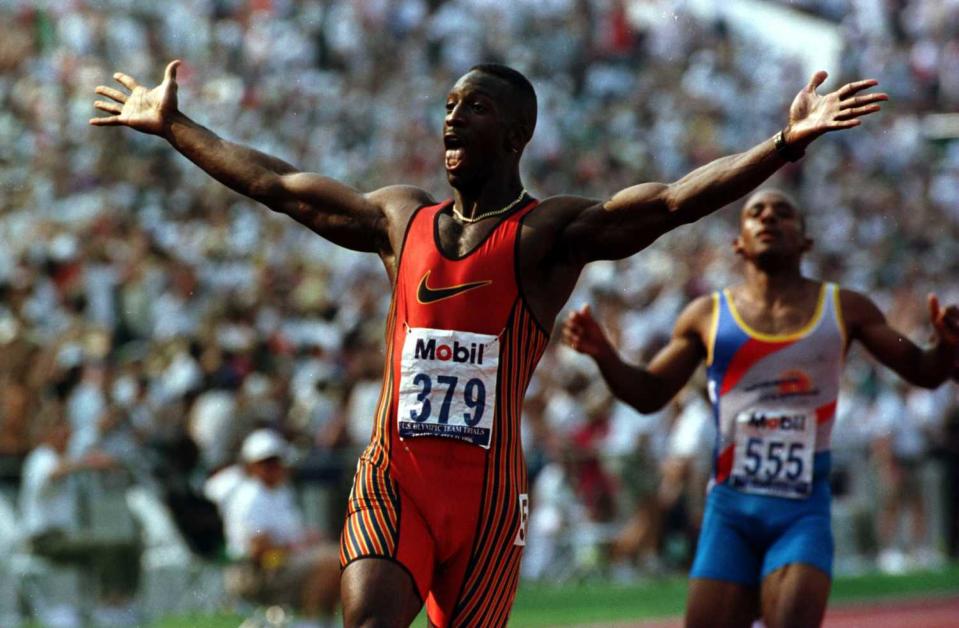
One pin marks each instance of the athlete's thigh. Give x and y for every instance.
(728, 549)
(720, 604)
(479, 591)
(477, 584)
(378, 592)
(807, 540)
(795, 596)
(386, 552)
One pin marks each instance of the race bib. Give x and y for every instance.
(774, 453)
(448, 385)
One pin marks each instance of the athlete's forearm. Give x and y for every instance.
(935, 365)
(238, 167)
(631, 384)
(925, 367)
(722, 181)
(634, 217)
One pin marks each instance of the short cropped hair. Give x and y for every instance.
(522, 88)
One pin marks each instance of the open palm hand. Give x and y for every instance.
(143, 109)
(812, 114)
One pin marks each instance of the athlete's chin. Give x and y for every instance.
(460, 179)
(771, 258)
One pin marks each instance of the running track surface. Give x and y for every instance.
(931, 613)
(927, 613)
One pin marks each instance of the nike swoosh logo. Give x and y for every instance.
(425, 294)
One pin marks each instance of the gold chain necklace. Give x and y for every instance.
(470, 221)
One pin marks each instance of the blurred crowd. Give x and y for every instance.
(143, 305)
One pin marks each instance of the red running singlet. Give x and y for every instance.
(441, 488)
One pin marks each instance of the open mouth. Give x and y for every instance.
(455, 152)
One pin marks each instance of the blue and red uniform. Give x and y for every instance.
(774, 401)
(442, 488)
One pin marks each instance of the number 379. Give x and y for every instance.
(474, 397)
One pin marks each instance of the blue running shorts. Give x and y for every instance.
(746, 537)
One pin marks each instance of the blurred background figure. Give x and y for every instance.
(635, 452)
(907, 422)
(281, 561)
(51, 498)
(685, 471)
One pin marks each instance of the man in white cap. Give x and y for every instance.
(282, 561)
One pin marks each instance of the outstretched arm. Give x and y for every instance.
(334, 210)
(927, 367)
(645, 389)
(633, 218)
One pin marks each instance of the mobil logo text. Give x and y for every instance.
(464, 353)
(778, 421)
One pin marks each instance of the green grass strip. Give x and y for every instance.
(880, 586)
(539, 605)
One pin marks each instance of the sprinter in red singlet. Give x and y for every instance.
(438, 509)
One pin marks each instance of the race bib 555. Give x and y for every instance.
(774, 453)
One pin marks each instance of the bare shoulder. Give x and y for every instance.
(394, 199)
(548, 230)
(397, 203)
(696, 317)
(560, 210)
(858, 309)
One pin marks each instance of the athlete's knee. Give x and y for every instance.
(376, 593)
(795, 613)
(720, 604)
(800, 618)
(378, 612)
(370, 619)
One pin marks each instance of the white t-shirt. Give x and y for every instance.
(220, 487)
(895, 419)
(253, 509)
(46, 504)
(694, 431)
(9, 534)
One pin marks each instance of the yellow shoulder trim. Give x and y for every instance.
(840, 321)
(799, 333)
(713, 330)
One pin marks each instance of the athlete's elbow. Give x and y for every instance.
(680, 205)
(923, 377)
(643, 402)
(265, 190)
(929, 382)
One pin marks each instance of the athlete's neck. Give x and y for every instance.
(773, 285)
(489, 198)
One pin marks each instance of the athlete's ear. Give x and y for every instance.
(513, 143)
(517, 137)
(738, 247)
(510, 142)
(807, 244)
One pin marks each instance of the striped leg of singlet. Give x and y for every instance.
(372, 520)
(373, 510)
(491, 579)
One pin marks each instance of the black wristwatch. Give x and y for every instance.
(787, 151)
